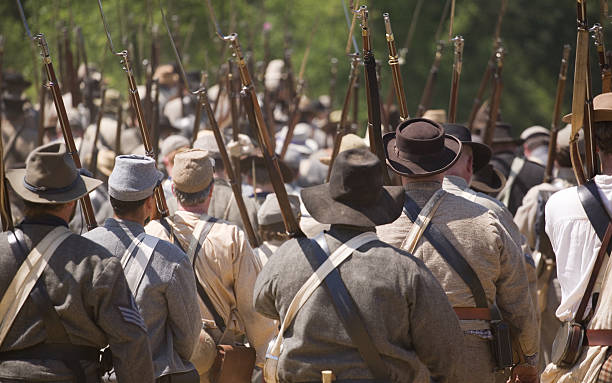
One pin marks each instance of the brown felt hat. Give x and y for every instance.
(419, 148)
(602, 109)
(355, 194)
(192, 171)
(481, 153)
(50, 177)
(488, 180)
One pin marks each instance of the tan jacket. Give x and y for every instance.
(479, 236)
(227, 268)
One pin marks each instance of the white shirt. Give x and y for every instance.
(575, 243)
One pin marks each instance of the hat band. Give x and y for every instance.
(412, 156)
(39, 189)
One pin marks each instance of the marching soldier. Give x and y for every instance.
(224, 263)
(463, 243)
(576, 220)
(168, 149)
(158, 273)
(80, 303)
(403, 315)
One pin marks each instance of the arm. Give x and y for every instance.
(183, 310)
(117, 315)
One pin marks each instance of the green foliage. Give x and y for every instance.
(533, 33)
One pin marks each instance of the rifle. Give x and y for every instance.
(86, 206)
(373, 97)
(118, 128)
(42, 97)
(160, 199)
(457, 64)
(294, 114)
(93, 162)
(604, 65)
(234, 93)
(554, 126)
(5, 204)
(395, 71)
(82, 57)
(333, 76)
(495, 97)
(489, 69)
(198, 113)
(342, 129)
(431, 80)
(588, 115)
(71, 75)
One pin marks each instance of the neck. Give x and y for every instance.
(201, 208)
(137, 218)
(432, 178)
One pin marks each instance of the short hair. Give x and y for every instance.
(33, 209)
(563, 157)
(126, 207)
(603, 136)
(191, 199)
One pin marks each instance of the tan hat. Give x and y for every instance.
(436, 115)
(106, 161)
(602, 108)
(192, 171)
(533, 131)
(349, 141)
(165, 75)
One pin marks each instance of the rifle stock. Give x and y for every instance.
(86, 206)
(554, 126)
(457, 64)
(604, 65)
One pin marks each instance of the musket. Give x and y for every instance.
(203, 102)
(233, 86)
(431, 80)
(42, 97)
(86, 206)
(256, 119)
(604, 65)
(495, 97)
(5, 204)
(342, 128)
(198, 114)
(118, 128)
(294, 111)
(354, 6)
(457, 64)
(160, 199)
(71, 75)
(554, 126)
(82, 57)
(333, 78)
(398, 84)
(486, 77)
(581, 12)
(373, 97)
(93, 162)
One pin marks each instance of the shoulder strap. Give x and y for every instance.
(347, 310)
(164, 222)
(422, 221)
(139, 253)
(454, 259)
(27, 275)
(594, 207)
(515, 169)
(200, 232)
(311, 284)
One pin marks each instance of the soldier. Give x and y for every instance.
(462, 232)
(535, 144)
(271, 227)
(400, 302)
(81, 303)
(576, 219)
(224, 263)
(168, 149)
(158, 273)
(521, 174)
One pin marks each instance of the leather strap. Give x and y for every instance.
(515, 169)
(423, 220)
(200, 232)
(348, 312)
(174, 239)
(472, 313)
(599, 337)
(454, 259)
(136, 259)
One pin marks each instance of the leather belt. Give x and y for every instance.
(599, 337)
(473, 313)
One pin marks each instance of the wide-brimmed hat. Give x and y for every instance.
(419, 148)
(269, 212)
(349, 141)
(602, 108)
(437, 115)
(488, 180)
(355, 194)
(50, 177)
(134, 178)
(166, 75)
(192, 171)
(481, 153)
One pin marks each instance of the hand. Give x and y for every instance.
(524, 373)
(233, 149)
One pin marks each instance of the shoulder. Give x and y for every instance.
(169, 251)
(564, 204)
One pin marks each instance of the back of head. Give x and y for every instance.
(192, 176)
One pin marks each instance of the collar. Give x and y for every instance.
(129, 227)
(456, 181)
(418, 185)
(44, 219)
(345, 232)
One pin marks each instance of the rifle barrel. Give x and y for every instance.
(457, 64)
(398, 84)
(495, 97)
(90, 218)
(431, 80)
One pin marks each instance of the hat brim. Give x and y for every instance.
(494, 185)
(428, 165)
(322, 207)
(81, 188)
(481, 154)
(598, 116)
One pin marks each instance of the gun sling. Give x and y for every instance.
(57, 345)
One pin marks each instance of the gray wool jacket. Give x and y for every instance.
(167, 296)
(88, 289)
(403, 306)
